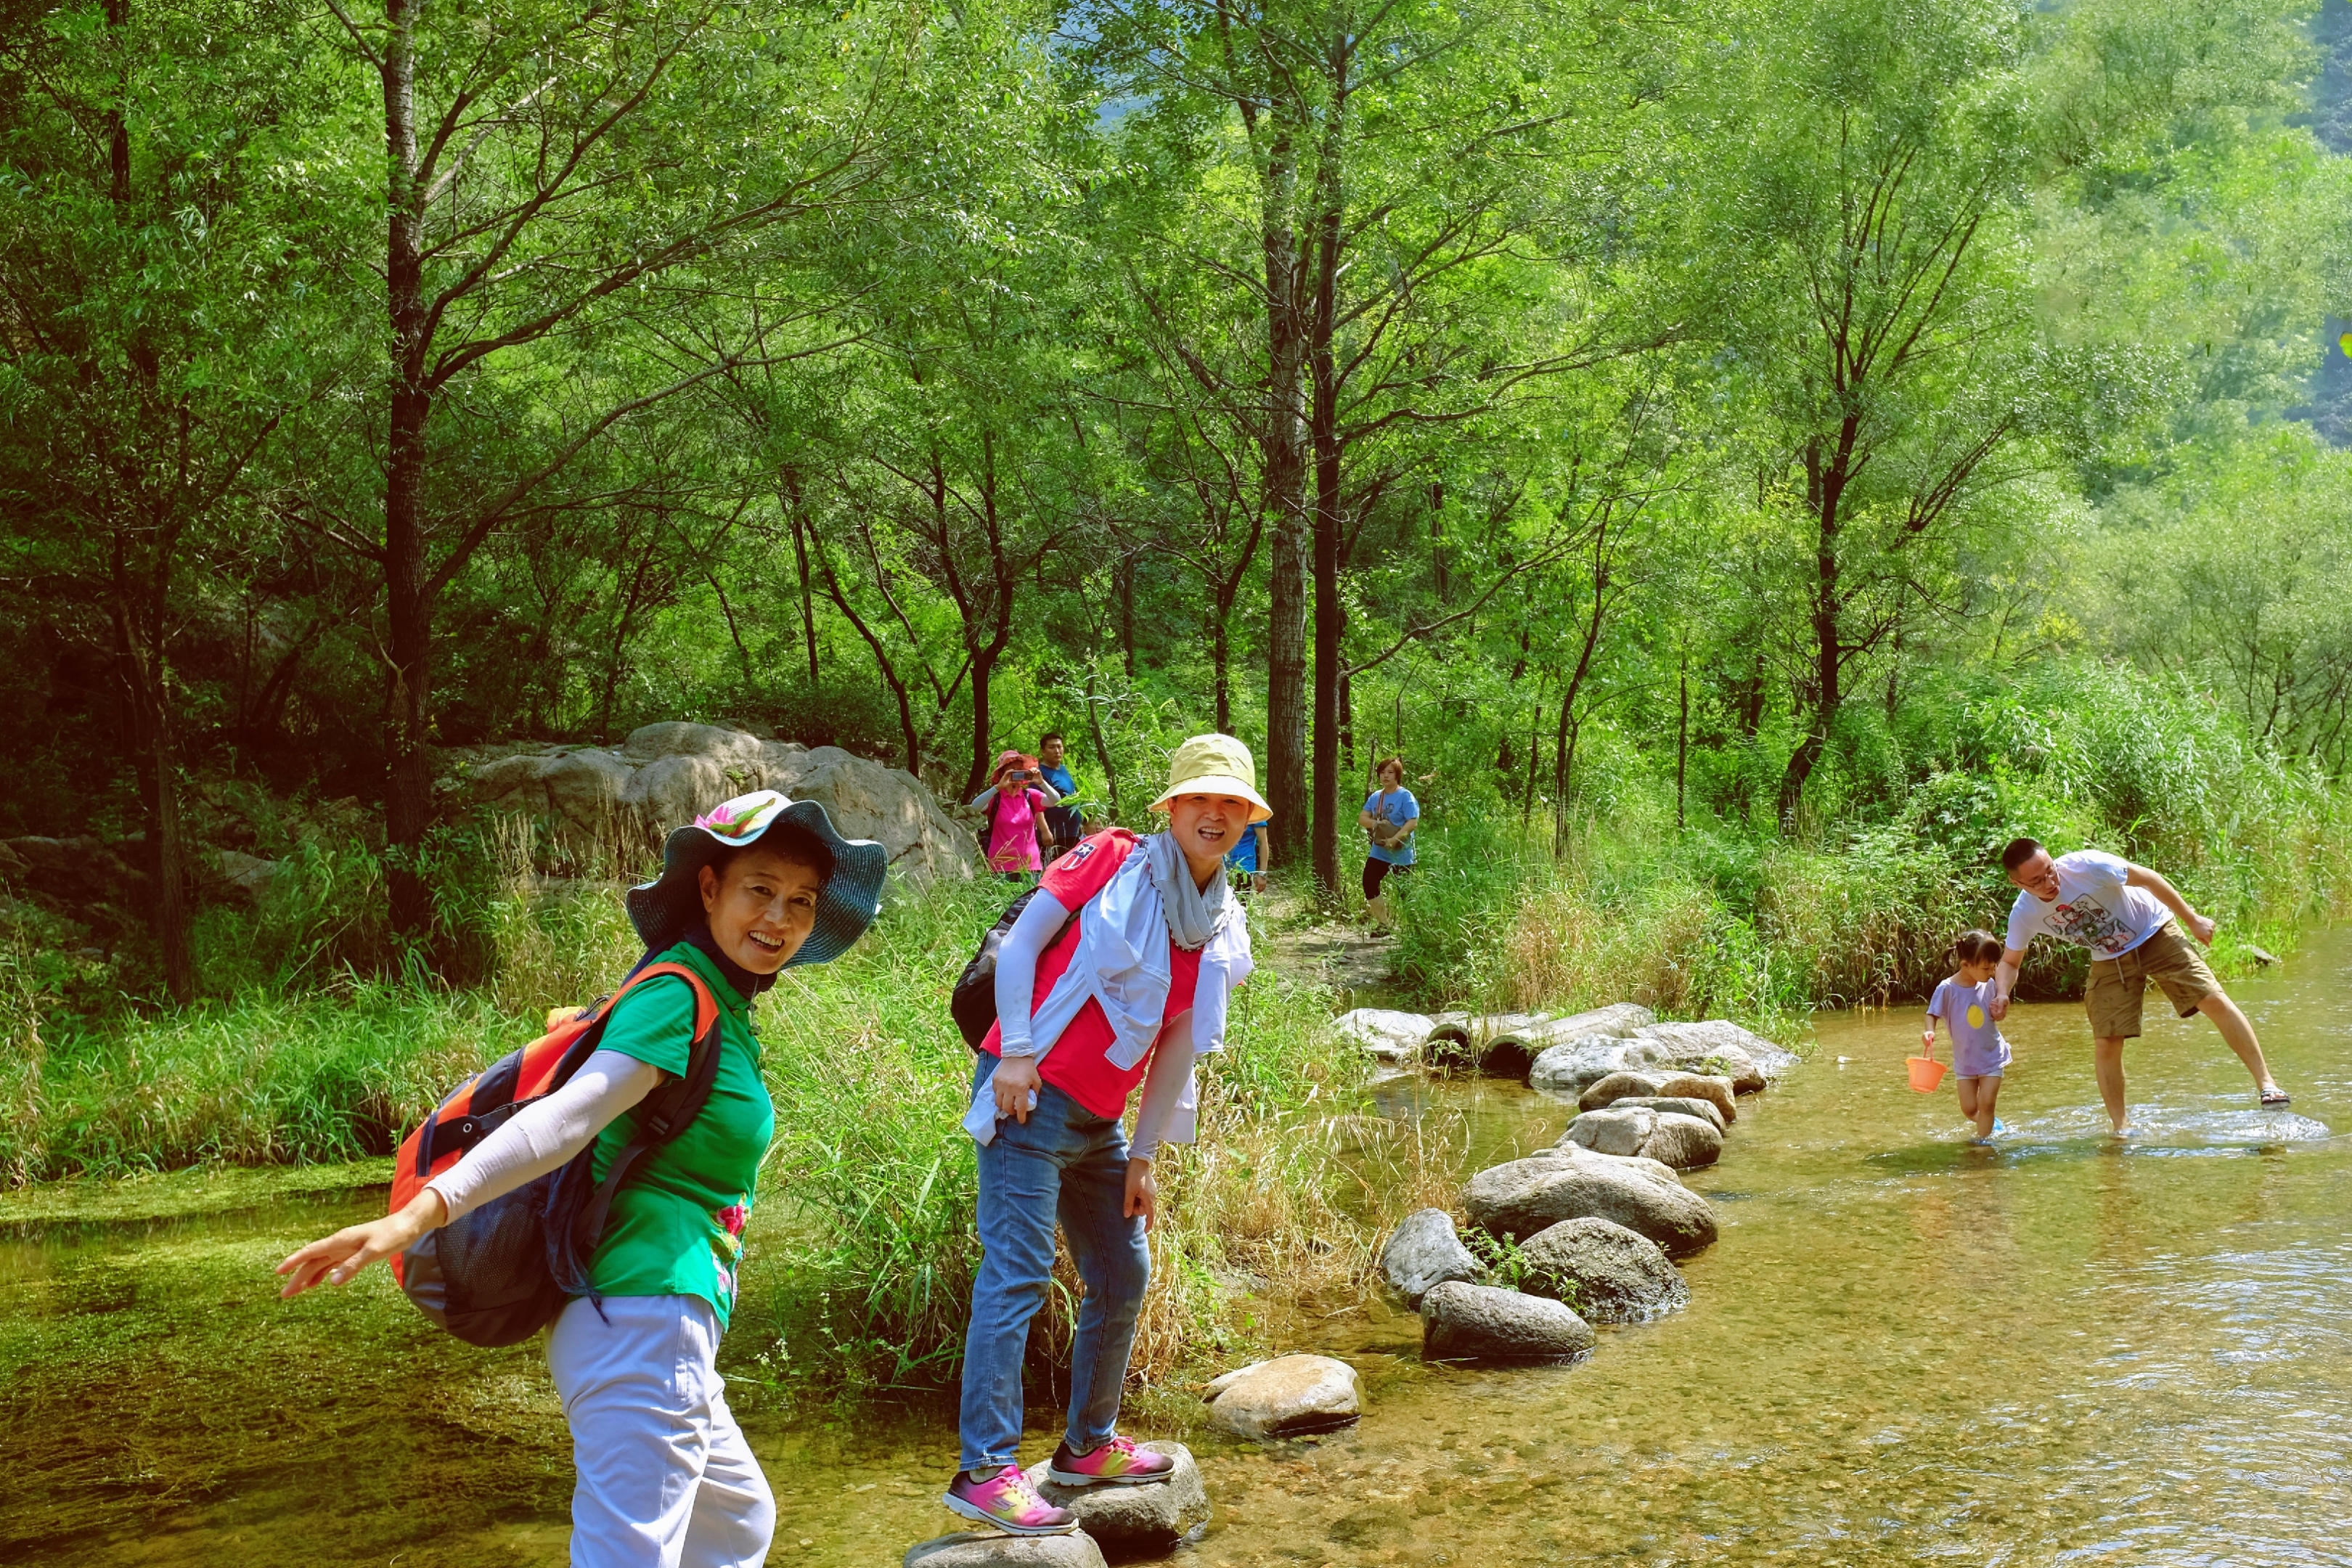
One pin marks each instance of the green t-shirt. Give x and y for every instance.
(677, 1225)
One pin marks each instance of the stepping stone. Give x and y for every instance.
(1610, 1274)
(990, 1548)
(1521, 1197)
(1480, 1322)
(1427, 1250)
(1154, 1518)
(1284, 1396)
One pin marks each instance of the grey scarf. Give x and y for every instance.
(1194, 913)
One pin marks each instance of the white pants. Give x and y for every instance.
(666, 1477)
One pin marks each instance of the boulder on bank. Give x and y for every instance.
(1426, 1251)
(1523, 1197)
(1715, 1091)
(666, 774)
(990, 1548)
(1512, 1050)
(1286, 1396)
(1610, 1274)
(1480, 1322)
(1385, 1035)
(1572, 1065)
(1135, 1519)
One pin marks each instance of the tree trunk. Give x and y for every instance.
(1825, 487)
(1123, 579)
(1286, 490)
(1330, 615)
(1102, 747)
(409, 595)
(139, 660)
(801, 560)
(1220, 659)
(1681, 743)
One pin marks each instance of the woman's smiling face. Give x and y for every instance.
(1206, 825)
(761, 908)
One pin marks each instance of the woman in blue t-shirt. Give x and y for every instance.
(1388, 819)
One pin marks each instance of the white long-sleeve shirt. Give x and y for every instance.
(1172, 1054)
(547, 1132)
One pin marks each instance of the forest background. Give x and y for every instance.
(1749, 459)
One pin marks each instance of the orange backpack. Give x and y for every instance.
(502, 1271)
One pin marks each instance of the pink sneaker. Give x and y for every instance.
(1118, 1463)
(1008, 1501)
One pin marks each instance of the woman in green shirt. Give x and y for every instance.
(664, 1475)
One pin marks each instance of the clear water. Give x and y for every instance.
(1904, 1348)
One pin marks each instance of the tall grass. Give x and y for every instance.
(1860, 908)
(867, 1235)
(316, 1054)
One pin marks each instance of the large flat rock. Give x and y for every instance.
(1384, 1033)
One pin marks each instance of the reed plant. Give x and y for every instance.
(1859, 907)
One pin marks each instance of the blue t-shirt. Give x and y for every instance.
(1061, 780)
(1399, 807)
(1243, 857)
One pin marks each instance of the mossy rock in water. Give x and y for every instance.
(1610, 1274)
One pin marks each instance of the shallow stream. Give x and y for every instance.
(1903, 1348)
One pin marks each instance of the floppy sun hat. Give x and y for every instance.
(1214, 765)
(669, 906)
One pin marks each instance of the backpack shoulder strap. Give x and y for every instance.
(664, 1113)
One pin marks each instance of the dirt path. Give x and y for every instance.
(1357, 960)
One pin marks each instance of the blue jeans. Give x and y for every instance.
(1068, 1162)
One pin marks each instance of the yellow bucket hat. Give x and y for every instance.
(1214, 765)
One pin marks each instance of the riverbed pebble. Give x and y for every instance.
(1427, 1250)
(1610, 1274)
(1482, 1322)
(978, 1549)
(1286, 1396)
(1153, 1518)
(1520, 1197)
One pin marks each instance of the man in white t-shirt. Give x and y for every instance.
(2125, 914)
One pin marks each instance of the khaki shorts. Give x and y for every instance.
(2117, 985)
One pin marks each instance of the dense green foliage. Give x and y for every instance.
(1705, 444)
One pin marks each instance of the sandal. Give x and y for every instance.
(2276, 1099)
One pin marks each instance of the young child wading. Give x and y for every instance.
(1115, 977)
(1964, 1001)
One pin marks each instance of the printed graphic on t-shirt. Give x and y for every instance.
(2091, 923)
(727, 1245)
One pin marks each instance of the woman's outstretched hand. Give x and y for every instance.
(338, 1259)
(1142, 1193)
